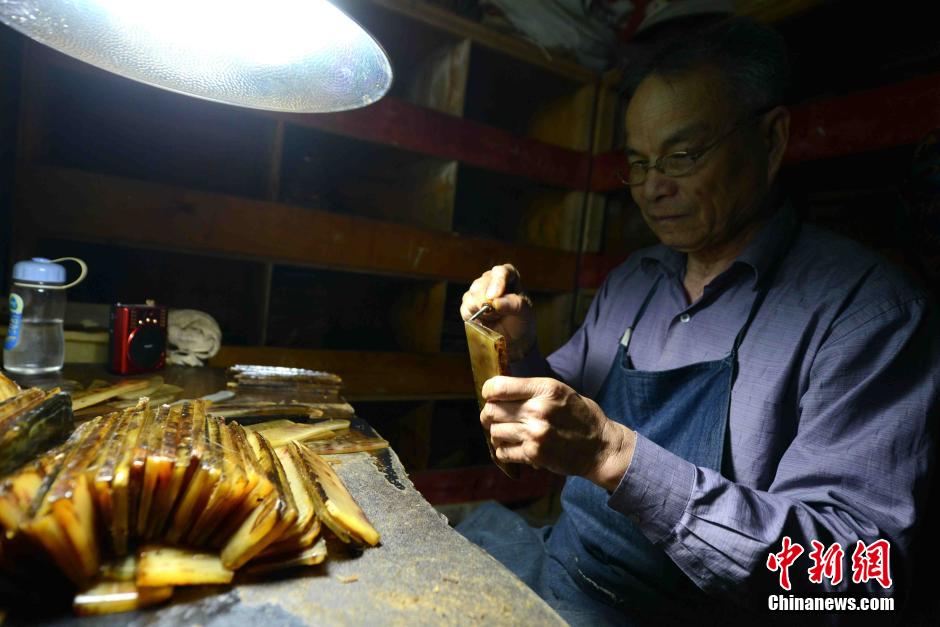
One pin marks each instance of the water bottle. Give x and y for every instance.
(35, 340)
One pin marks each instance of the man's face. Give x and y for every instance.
(708, 207)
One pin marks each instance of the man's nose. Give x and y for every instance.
(657, 185)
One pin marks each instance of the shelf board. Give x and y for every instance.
(70, 204)
(485, 36)
(885, 117)
(368, 376)
(604, 176)
(411, 127)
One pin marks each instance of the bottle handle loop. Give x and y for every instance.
(81, 277)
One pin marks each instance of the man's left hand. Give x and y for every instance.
(544, 423)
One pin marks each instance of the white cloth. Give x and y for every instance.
(194, 336)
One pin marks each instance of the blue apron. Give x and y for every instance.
(609, 563)
(684, 410)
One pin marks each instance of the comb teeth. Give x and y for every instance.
(146, 478)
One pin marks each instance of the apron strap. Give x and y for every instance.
(628, 334)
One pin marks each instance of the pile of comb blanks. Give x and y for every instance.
(109, 506)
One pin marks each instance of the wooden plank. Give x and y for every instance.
(593, 234)
(402, 124)
(276, 158)
(274, 193)
(565, 121)
(418, 317)
(418, 194)
(604, 177)
(264, 300)
(70, 204)
(895, 115)
(412, 435)
(876, 119)
(371, 376)
(508, 44)
(550, 218)
(466, 485)
(607, 110)
(440, 81)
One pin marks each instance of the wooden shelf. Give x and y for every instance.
(71, 204)
(408, 126)
(335, 310)
(369, 376)
(886, 117)
(507, 44)
(390, 121)
(895, 115)
(218, 286)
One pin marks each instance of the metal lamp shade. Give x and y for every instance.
(303, 56)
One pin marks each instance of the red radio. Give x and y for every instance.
(137, 338)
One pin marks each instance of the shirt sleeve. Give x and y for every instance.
(852, 472)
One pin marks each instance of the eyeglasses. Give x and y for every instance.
(681, 163)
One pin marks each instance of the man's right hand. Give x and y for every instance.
(512, 314)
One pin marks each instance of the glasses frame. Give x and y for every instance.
(659, 166)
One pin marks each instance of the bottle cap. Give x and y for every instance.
(39, 270)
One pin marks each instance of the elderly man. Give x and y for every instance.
(749, 385)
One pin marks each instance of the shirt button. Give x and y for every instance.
(685, 317)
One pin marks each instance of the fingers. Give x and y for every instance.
(511, 304)
(512, 443)
(518, 454)
(506, 434)
(500, 412)
(494, 283)
(521, 389)
(501, 279)
(475, 297)
(467, 309)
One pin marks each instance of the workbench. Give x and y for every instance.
(423, 573)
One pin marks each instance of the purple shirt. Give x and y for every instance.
(828, 423)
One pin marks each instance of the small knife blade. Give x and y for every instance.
(486, 308)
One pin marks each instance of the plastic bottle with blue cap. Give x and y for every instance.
(35, 341)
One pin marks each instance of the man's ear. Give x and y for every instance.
(775, 129)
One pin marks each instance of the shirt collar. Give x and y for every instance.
(759, 256)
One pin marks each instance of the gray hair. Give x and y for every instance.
(749, 56)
